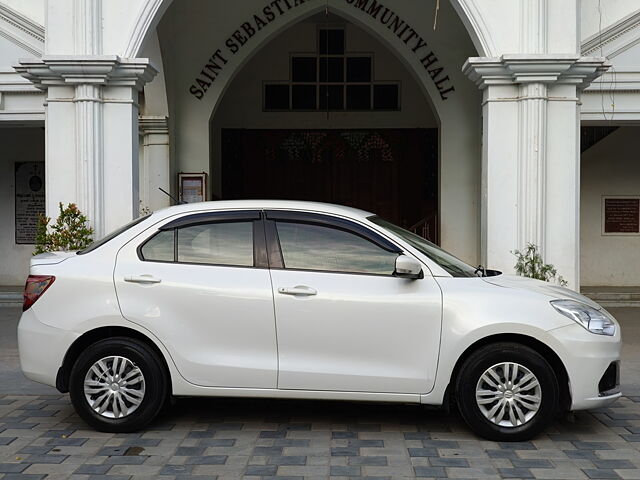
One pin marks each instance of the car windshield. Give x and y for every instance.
(112, 235)
(453, 265)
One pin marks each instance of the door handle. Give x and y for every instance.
(299, 290)
(141, 279)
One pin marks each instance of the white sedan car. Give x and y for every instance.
(309, 301)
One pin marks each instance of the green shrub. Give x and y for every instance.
(530, 264)
(70, 231)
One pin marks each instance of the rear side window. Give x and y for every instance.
(217, 243)
(317, 247)
(160, 248)
(220, 243)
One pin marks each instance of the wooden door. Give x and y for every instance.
(391, 172)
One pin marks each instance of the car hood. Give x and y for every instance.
(545, 288)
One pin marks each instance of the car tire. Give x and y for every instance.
(118, 385)
(507, 392)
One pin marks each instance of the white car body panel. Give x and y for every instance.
(359, 333)
(244, 354)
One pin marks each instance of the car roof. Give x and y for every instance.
(299, 205)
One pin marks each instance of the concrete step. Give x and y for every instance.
(614, 296)
(11, 297)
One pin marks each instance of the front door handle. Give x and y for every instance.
(141, 279)
(299, 290)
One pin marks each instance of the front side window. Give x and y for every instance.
(222, 243)
(454, 266)
(316, 247)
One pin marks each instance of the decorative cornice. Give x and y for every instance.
(616, 80)
(153, 125)
(21, 30)
(93, 69)
(597, 42)
(519, 69)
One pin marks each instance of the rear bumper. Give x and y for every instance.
(41, 348)
(588, 359)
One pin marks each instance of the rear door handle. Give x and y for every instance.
(141, 279)
(299, 290)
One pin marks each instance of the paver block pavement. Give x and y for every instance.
(42, 437)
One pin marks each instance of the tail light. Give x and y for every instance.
(36, 285)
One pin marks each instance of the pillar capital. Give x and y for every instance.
(105, 70)
(535, 68)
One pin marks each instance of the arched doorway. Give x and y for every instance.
(200, 38)
(335, 118)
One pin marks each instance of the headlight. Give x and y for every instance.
(596, 321)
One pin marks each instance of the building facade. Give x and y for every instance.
(481, 125)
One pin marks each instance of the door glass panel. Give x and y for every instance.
(229, 243)
(159, 248)
(314, 247)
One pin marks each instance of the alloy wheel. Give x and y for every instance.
(114, 387)
(508, 394)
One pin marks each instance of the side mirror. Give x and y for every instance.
(408, 267)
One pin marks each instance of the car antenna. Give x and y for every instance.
(178, 202)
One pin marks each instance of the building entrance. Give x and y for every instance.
(392, 172)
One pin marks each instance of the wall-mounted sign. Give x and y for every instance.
(29, 202)
(621, 215)
(193, 187)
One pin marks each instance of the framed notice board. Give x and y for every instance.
(193, 187)
(29, 200)
(621, 215)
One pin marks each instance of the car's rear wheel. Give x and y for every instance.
(118, 385)
(507, 392)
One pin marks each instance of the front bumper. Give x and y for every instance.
(41, 348)
(592, 363)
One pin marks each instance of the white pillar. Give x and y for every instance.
(92, 133)
(154, 162)
(531, 155)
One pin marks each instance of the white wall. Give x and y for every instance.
(596, 14)
(18, 145)
(610, 167)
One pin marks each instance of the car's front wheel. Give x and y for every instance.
(507, 392)
(118, 385)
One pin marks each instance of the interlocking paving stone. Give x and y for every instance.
(515, 473)
(449, 462)
(288, 460)
(430, 472)
(345, 470)
(88, 469)
(423, 452)
(341, 435)
(600, 473)
(207, 460)
(261, 470)
(377, 460)
(531, 463)
(12, 467)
